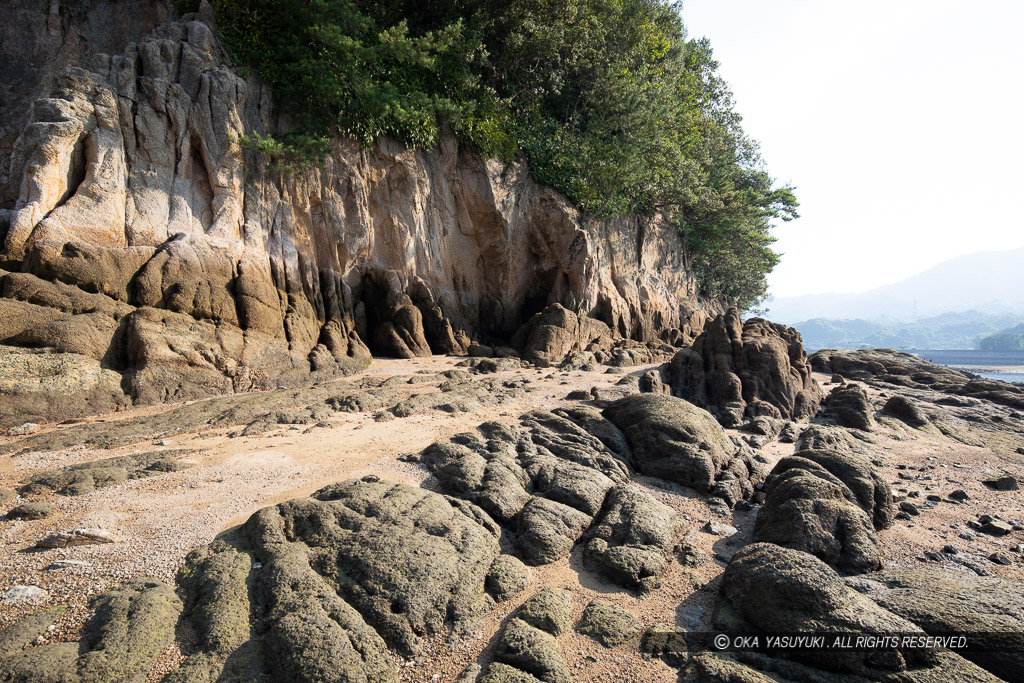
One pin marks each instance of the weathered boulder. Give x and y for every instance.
(849, 405)
(527, 650)
(632, 539)
(608, 624)
(675, 440)
(738, 369)
(404, 560)
(955, 603)
(556, 333)
(775, 590)
(130, 627)
(906, 411)
(828, 504)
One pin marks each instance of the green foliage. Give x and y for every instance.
(1011, 339)
(607, 99)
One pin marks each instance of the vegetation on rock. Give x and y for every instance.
(607, 100)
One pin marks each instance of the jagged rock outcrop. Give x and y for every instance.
(737, 370)
(147, 247)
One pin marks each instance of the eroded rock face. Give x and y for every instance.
(181, 267)
(737, 370)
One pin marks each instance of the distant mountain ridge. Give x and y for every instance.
(988, 282)
(957, 330)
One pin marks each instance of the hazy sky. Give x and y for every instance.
(899, 122)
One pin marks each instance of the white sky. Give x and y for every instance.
(899, 122)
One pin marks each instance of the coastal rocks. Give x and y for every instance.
(828, 504)
(906, 370)
(76, 480)
(131, 626)
(554, 478)
(906, 411)
(556, 333)
(31, 511)
(774, 590)
(408, 561)
(849, 405)
(738, 370)
(943, 602)
(682, 443)
(632, 539)
(608, 624)
(527, 649)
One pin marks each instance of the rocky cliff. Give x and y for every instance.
(147, 256)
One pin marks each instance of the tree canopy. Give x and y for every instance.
(608, 101)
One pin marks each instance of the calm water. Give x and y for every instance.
(982, 363)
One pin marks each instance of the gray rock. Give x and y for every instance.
(1005, 482)
(632, 539)
(18, 594)
(75, 537)
(549, 610)
(719, 529)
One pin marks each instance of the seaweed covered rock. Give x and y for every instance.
(507, 576)
(404, 560)
(773, 590)
(608, 624)
(675, 440)
(131, 626)
(75, 480)
(738, 370)
(632, 539)
(527, 650)
(811, 505)
(906, 411)
(955, 603)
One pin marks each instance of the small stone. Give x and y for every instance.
(370, 479)
(723, 556)
(719, 529)
(950, 549)
(935, 499)
(985, 519)
(903, 515)
(16, 594)
(959, 494)
(165, 442)
(67, 539)
(968, 535)
(1003, 483)
(910, 509)
(1000, 558)
(996, 527)
(1019, 548)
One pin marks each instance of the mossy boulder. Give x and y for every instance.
(608, 624)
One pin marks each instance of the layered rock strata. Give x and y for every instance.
(157, 259)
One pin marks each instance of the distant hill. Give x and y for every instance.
(989, 282)
(1011, 339)
(961, 330)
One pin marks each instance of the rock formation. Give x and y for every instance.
(737, 370)
(157, 259)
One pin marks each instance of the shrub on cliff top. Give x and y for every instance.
(607, 99)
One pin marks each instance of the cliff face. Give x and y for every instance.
(150, 252)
